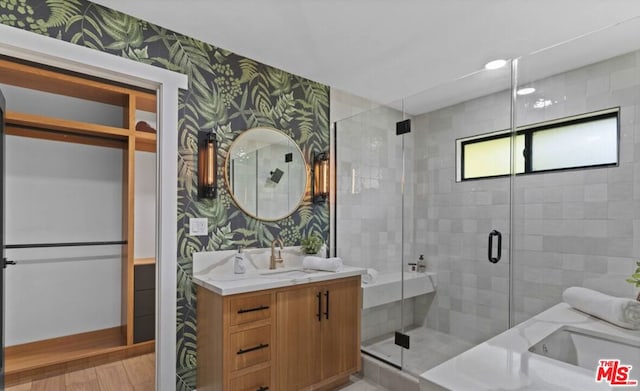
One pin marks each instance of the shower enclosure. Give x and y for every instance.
(513, 184)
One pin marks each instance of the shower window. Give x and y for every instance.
(489, 156)
(589, 140)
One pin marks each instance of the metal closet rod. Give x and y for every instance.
(71, 244)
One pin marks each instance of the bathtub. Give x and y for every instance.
(584, 348)
(386, 288)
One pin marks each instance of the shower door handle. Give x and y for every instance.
(493, 259)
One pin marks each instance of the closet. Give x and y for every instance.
(121, 134)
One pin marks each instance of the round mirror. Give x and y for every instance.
(266, 173)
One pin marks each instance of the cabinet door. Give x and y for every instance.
(298, 338)
(340, 335)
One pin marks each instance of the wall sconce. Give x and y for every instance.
(207, 165)
(320, 177)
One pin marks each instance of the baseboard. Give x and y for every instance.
(51, 357)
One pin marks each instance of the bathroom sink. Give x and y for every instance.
(585, 348)
(277, 274)
(227, 277)
(286, 273)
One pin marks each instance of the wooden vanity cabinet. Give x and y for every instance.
(235, 341)
(305, 337)
(318, 334)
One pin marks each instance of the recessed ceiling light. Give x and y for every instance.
(495, 64)
(526, 91)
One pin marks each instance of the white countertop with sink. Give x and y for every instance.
(213, 270)
(504, 362)
(231, 284)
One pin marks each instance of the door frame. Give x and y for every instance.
(44, 50)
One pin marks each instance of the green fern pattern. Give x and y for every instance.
(227, 93)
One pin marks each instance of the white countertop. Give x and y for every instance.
(231, 284)
(505, 363)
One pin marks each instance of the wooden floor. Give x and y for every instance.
(40, 354)
(131, 374)
(49, 358)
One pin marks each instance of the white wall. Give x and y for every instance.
(62, 192)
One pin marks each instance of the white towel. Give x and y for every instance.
(370, 276)
(617, 310)
(326, 264)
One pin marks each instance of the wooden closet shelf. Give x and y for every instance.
(144, 261)
(145, 141)
(40, 122)
(145, 136)
(47, 80)
(64, 137)
(146, 102)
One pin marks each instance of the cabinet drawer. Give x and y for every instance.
(249, 309)
(144, 302)
(254, 381)
(144, 277)
(250, 347)
(144, 328)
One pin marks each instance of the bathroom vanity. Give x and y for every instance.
(278, 330)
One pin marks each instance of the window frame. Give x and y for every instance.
(528, 131)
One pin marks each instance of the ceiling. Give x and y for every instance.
(385, 50)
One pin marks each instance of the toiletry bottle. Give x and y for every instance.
(239, 262)
(422, 264)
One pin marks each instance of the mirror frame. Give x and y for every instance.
(228, 185)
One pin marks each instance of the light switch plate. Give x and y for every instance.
(198, 226)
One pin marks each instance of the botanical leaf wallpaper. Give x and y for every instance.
(227, 93)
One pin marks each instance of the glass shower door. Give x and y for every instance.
(369, 222)
(460, 215)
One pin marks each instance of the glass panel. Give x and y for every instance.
(369, 172)
(584, 144)
(576, 227)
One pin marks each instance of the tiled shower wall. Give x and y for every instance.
(573, 228)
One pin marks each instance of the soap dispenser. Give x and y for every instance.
(239, 262)
(422, 264)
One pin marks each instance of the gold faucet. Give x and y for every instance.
(274, 259)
